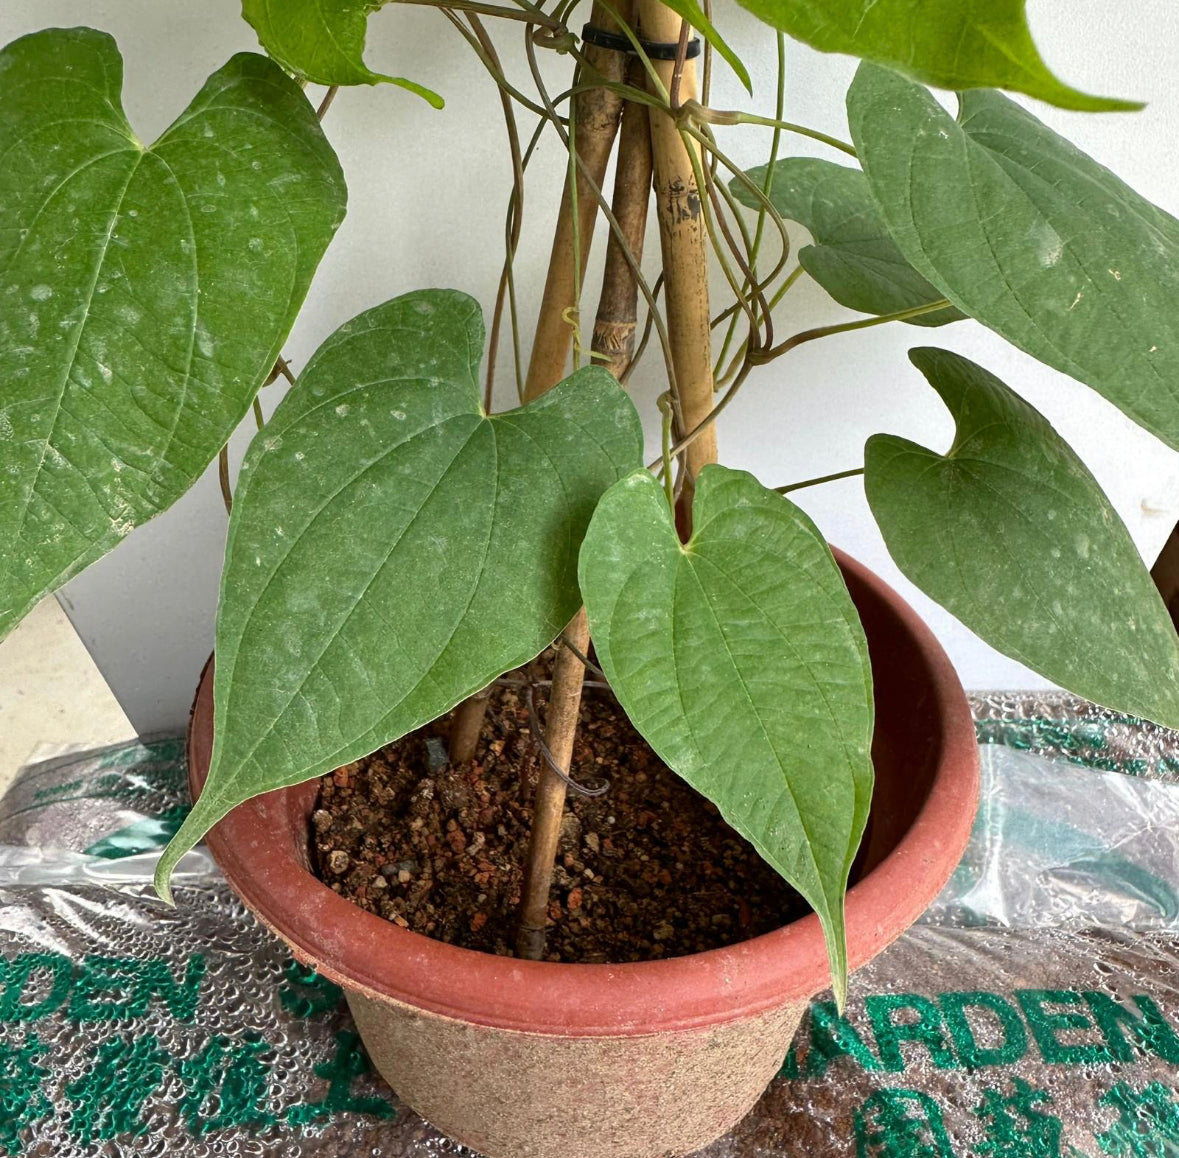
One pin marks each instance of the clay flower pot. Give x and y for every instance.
(521, 1058)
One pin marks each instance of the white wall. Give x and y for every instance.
(427, 197)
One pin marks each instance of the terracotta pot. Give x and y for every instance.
(647, 1060)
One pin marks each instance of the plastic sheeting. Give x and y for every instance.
(1033, 1014)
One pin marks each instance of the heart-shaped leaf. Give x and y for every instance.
(392, 550)
(853, 258)
(1010, 533)
(740, 658)
(322, 41)
(957, 44)
(1025, 233)
(144, 292)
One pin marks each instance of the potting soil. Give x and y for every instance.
(1033, 1013)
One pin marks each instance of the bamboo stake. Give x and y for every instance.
(631, 198)
(614, 329)
(549, 802)
(596, 113)
(684, 242)
(466, 727)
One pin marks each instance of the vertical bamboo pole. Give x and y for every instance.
(466, 727)
(614, 329)
(631, 198)
(549, 802)
(684, 242)
(596, 114)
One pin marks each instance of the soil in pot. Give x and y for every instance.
(647, 870)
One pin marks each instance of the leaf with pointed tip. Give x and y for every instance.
(392, 550)
(1010, 533)
(323, 41)
(144, 292)
(956, 44)
(740, 658)
(853, 257)
(1028, 235)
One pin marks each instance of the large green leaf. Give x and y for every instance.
(740, 658)
(1024, 232)
(392, 549)
(322, 40)
(144, 292)
(853, 258)
(956, 44)
(1009, 532)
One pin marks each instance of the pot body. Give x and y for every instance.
(525, 1059)
(509, 1094)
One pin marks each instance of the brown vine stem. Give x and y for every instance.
(685, 244)
(326, 103)
(754, 358)
(596, 114)
(614, 331)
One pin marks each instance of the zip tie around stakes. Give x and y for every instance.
(656, 50)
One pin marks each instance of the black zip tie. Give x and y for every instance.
(586, 661)
(595, 788)
(656, 50)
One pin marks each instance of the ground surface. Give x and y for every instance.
(51, 694)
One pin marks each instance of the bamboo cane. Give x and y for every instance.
(630, 201)
(684, 243)
(466, 727)
(549, 802)
(596, 114)
(614, 329)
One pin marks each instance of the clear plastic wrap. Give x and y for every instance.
(1034, 1013)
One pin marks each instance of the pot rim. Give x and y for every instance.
(258, 853)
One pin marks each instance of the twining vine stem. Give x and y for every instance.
(846, 327)
(823, 478)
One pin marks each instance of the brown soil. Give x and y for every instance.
(648, 870)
